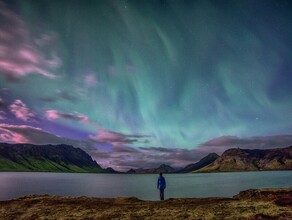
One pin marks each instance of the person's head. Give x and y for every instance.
(160, 174)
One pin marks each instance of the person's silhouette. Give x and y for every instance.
(161, 185)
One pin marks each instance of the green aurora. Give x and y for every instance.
(147, 74)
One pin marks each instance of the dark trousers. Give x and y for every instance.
(161, 194)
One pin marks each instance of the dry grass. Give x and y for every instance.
(253, 204)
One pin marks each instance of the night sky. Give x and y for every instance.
(141, 83)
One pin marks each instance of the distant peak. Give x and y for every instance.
(212, 155)
(164, 165)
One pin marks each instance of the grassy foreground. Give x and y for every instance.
(250, 204)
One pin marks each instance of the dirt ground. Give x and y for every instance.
(250, 204)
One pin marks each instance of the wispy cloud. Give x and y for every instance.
(10, 134)
(66, 96)
(28, 134)
(114, 138)
(60, 95)
(54, 114)
(19, 55)
(21, 111)
(257, 142)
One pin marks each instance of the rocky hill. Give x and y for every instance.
(46, 158)
(210, 158)
(237, 159)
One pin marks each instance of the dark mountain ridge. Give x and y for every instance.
(47, 158)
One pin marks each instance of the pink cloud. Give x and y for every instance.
(11, 137)
(20, 110)
(28, 134)
(114, 138)
(104, 136)
(19, 56)
(54, 114)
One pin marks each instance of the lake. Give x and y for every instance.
(142, 186)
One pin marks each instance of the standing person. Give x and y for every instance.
(161, 185)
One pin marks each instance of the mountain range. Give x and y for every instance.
(189, 168)
(66, 158)
(232, 160)
(47, 158)
(237, 159)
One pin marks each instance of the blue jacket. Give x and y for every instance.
(161, 184)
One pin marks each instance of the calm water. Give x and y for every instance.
(13, 185)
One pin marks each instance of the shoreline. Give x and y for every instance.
(273, 203)
(236, 171)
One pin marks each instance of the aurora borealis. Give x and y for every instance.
(140, 83)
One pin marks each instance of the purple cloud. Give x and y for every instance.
(54, 114)
(10, 136)
(21, 111)
(19, 55)
(28, 134)
(114, 138)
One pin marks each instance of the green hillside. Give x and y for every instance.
(46, 158)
